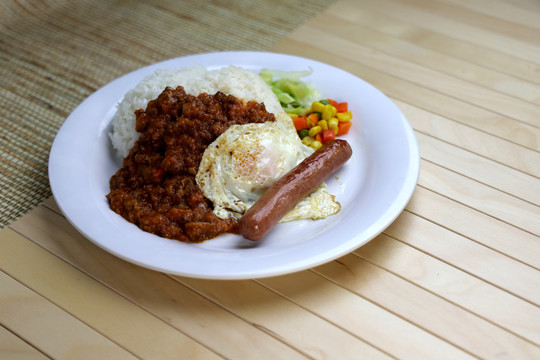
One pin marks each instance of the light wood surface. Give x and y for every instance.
(456, 276)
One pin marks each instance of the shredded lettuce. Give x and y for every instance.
(294, 95)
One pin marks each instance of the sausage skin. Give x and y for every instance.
(292, 187)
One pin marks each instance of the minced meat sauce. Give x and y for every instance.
(156, 189)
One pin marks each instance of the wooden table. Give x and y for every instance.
(456, 276)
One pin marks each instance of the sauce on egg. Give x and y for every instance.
(156, 189)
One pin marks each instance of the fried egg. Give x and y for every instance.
(246, 160)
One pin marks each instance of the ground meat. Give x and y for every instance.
(156, 189)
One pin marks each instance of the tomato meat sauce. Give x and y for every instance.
(155, 189)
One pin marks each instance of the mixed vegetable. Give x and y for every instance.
(322, 122)
(316, 121)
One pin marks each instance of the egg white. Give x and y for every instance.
(246, 160)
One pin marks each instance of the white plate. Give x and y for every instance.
(373, 187)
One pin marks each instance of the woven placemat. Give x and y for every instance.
(54, 53)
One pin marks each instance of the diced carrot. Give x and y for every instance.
(318, 137)
(342, 107)
(328, 135)
(300, 123)
(334, 103)
(312, 119)
(343, 128)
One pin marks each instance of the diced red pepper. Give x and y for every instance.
(342, 107)
(300, 123)
(328, 135)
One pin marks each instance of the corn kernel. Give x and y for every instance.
(317, 106)
(316, 144)
(293, 116)
(333, 123)
(344, 116)
(308, 140)
(328, 112)
(323, 124)
(314, 130)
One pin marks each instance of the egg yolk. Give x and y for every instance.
(257, 164)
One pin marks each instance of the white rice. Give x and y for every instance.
(241, 83)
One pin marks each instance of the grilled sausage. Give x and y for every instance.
(292, 187)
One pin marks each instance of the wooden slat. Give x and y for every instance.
(474, 193)
(314, 336)
(14, 348)
(483, 80)
(528, 5)
(476, 225)
(473, 140)
(362, 317)
(414, 33)
(491, 266)
(49, 328)
(457, 286)
(484, 170)
(416, 13)
(425, 309)
(482, 167)
(98, 306)
(477, 19)
(504, 10)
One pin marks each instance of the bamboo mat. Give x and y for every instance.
(55, 53)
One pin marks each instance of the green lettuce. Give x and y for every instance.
(294, 95)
